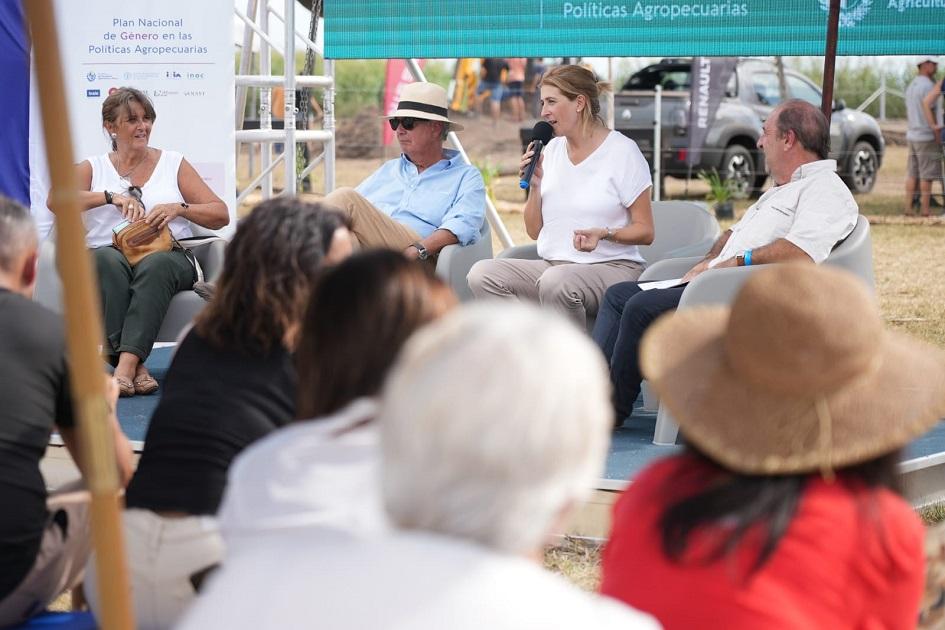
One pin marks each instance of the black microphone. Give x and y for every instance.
(541, 135)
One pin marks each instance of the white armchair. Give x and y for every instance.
(455, 261)
(719, 286)
(681, 228)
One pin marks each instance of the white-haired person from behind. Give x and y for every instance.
(495, 422)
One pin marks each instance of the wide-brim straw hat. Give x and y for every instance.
(424, 100)
(798, 375)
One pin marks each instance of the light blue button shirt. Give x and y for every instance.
(449, 195)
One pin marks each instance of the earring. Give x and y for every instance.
(114, 135)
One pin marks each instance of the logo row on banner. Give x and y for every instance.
(174, 51)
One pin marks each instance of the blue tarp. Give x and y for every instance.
(14, 102)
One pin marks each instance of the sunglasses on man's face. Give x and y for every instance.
(408, 123)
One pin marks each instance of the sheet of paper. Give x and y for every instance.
(661, 284)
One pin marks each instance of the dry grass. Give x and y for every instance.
(933, 514)
(63, 603)
(911, 292)
(577, 560)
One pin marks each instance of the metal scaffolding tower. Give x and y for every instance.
(257, 20)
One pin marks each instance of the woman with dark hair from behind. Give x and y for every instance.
(321, 473)
(784, 510)
(231, 382)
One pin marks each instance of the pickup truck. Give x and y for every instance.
(856, 141)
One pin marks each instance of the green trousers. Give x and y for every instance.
(135, 299)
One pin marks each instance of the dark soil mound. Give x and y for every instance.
(359, 136)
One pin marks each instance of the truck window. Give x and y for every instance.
(677, 80)
(803, 90)
(765, 85)
(669, 78)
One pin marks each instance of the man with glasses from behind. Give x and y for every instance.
(427, 198)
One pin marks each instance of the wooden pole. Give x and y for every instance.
(830, 58)
(83, 327)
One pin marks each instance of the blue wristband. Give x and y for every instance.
(748, 258)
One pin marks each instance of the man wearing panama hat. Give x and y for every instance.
(806, 212)
(427, 198)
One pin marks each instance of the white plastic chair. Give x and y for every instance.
(183, 307)
(681, 228)
(720, 286)
(455, 261)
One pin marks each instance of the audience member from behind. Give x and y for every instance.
(231, 382)
(139, 183)
(323, 472)
(588, 206)
(494, 424)
(44, 538)
(784, 510)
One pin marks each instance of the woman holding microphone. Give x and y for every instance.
(588, 206)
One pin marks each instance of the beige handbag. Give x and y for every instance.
(138, 240)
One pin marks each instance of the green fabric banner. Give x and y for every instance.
(365, 29)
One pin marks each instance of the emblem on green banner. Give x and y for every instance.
(851, 11)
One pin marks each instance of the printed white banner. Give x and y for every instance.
(179, 53)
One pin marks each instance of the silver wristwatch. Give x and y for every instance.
(422, 252)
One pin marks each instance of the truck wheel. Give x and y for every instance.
(861, 169)
(738, 167)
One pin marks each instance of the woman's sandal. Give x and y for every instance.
(145, 384)
(125, 387)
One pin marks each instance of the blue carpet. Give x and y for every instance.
(631, 448)
(929, 444)
(135, 413)
(60, 621)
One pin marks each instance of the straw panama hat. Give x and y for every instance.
(423, 100)
(798, 375)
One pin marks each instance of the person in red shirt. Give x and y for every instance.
(783, 510)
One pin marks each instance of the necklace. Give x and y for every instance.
(127, 176)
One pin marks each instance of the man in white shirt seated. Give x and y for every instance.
(427, 198)
(806, 213)
(477, 472)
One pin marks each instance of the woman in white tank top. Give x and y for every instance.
(136, 182)
(588, 206)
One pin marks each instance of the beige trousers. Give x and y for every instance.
(573, 289)
(61, 559)
(166, 556)
(369, 225)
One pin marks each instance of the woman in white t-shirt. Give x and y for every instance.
(136, 182)
(588, 206)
